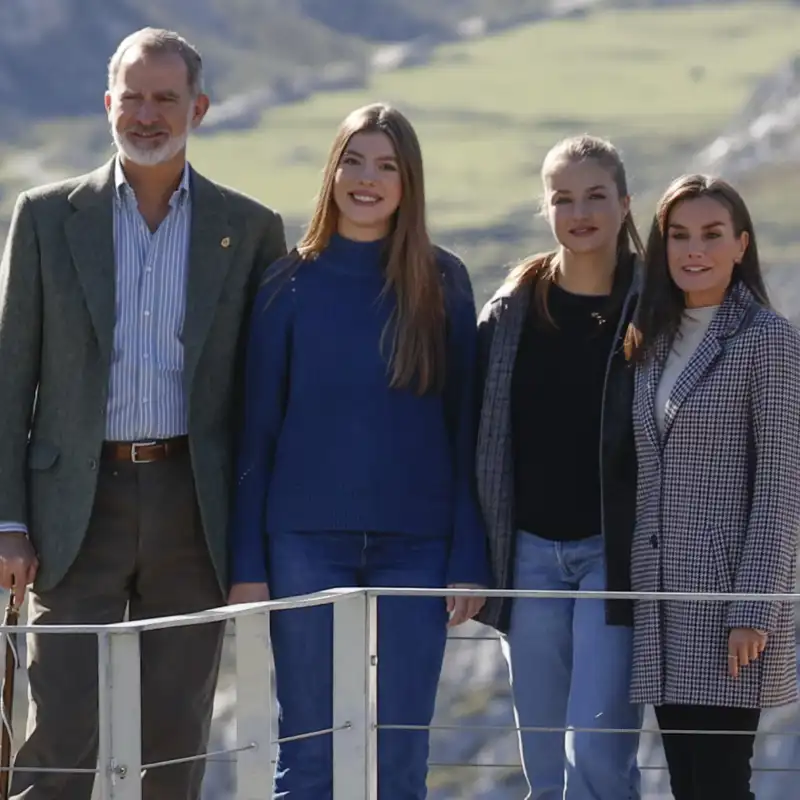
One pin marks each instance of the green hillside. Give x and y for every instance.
(488, 110)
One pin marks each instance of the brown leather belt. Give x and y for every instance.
(145, 452)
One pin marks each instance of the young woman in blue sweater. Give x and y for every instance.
(356, 461)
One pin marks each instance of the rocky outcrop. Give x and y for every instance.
(760, 146)
(765, 132)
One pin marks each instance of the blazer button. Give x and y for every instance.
(654, 542)
(92, 464)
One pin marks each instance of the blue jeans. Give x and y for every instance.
(412, 635)
(569, 669)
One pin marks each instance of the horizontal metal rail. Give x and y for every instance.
(642, 767)
(575, 729)
(226, 613)
(584, 594)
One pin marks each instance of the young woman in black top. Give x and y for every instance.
(557, 478)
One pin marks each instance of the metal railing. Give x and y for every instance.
(355, 716)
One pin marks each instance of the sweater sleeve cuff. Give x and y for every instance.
(761, 616)
(248, 572)
(469, 563)
(13, 527)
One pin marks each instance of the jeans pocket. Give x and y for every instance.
(536, 563)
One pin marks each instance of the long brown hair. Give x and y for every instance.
(541, 269)
(417, 327)
(662, 303)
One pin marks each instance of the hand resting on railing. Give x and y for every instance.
(18, 562)
(463, 608)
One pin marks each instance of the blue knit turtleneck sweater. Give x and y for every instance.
(327, 445)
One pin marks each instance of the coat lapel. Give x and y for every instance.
(494, 461)
(90, 235)
(505, 343)
(695, 370)
(211, 246)
(495, 464)
(726, 322)
(651, 375)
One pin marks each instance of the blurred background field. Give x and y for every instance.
(659, 83)
(662, 80)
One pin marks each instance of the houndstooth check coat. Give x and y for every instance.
(718, 509)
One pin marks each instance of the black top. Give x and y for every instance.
(556, 400)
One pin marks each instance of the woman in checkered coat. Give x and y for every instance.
(717, 428)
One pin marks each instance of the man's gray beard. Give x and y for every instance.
(149, 158)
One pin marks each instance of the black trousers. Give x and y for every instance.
(706, 766)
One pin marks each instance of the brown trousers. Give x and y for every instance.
(145, 552)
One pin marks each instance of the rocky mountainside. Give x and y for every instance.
(760, 147)
(53, 53)
(765, 132)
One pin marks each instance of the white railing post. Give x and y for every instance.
(355, 669)
(254, 770)
(371, 719)
(120, 720)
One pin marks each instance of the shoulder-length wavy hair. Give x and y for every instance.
(662, 303)
(417, 328)
(541, 269)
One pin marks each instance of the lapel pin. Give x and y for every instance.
(226, 242)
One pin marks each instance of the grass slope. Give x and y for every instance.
(487, 111)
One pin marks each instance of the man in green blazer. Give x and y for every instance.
(124, 297)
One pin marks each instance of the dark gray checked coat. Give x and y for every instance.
(718, 508)
(500, 326)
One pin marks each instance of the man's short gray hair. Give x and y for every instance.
(161, 41)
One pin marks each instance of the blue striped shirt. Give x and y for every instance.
(146, 399)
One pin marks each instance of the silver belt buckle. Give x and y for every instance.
(135, 452)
